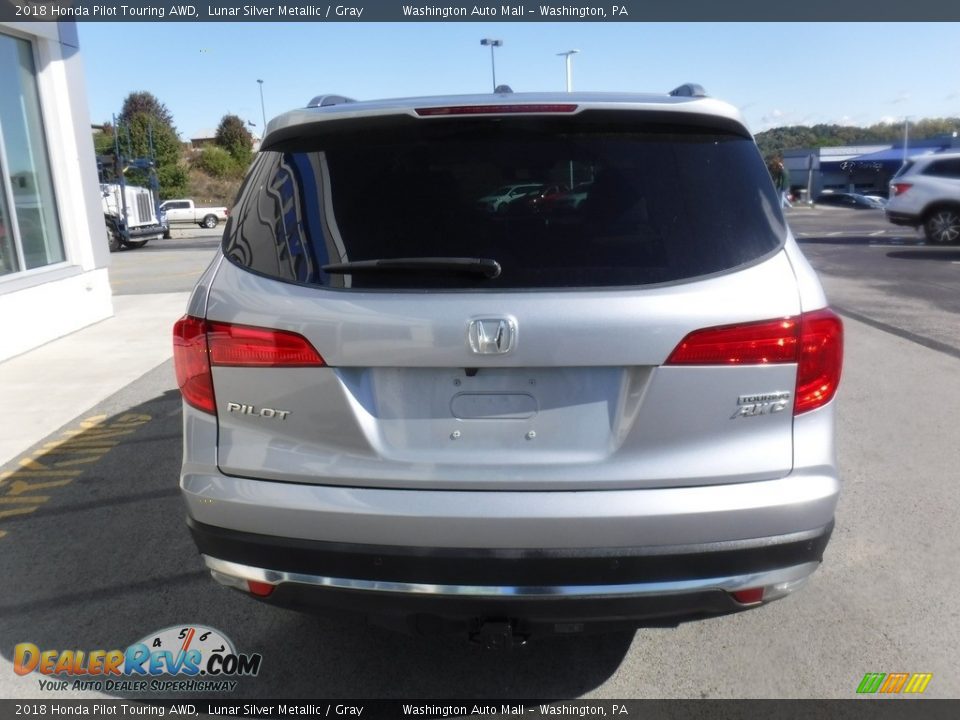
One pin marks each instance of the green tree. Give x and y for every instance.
(232, 135)
(145, 128)
(145, 103)
(776, 140)
(217, 162)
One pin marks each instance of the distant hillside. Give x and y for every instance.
(774, 142)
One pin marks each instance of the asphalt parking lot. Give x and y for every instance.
(105, 559)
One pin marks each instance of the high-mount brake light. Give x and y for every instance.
(200, 344)
(497, 109)
(813, 340)
(900, 188)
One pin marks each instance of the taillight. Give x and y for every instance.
(497, 109)
(199, 344)
(821, 360)
(247, 346)
(759, 343)
(192, 363)
(814, 341)
(900, 188)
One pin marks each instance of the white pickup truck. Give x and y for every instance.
(184, 211)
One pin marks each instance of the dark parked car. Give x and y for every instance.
(848, 200)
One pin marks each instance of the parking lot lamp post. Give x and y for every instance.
(568, 55)
(906, 136)
(263, 111)
(493, 68)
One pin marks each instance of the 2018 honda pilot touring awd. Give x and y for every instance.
(399, 403)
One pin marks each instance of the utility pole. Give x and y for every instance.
(906, 136)
(262, 109)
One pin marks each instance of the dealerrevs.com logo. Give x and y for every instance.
(200, 658)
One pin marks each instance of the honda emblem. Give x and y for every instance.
(492, 336)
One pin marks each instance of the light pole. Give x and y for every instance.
(568, 54)
(906, 136)
(493, 68)
(262, 109)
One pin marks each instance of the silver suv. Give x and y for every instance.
(398, 403)
(925, 192)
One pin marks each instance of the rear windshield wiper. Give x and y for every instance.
(487, 267)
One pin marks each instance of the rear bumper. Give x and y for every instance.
(559, 558)
(476, 571)
(902, 218)
(493, 520)
(537, 590)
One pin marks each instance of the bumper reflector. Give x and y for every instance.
(749, 596)
(260, 589)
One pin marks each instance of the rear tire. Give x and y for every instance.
(114, 241)
(209, 222)
(942, 226)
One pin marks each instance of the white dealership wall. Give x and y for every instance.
(45, 303)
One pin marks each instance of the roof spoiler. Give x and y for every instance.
(689, 90)
(328, 100)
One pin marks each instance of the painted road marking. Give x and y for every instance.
(60, 461)
(844, 233)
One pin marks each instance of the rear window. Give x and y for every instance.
(591, 201)
(904, 169)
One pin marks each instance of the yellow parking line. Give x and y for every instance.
(86, 443)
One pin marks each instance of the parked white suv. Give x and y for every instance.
(926, 192)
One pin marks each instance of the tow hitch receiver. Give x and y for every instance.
(497, 635)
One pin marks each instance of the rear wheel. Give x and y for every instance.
(114, 241)
(210, 221)
(942, 226)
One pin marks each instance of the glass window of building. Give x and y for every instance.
(29, 228)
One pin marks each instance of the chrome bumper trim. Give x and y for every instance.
(780, 582)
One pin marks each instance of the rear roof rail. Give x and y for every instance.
(689, 90)
(328, 100)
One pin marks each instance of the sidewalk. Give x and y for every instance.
(42, 390)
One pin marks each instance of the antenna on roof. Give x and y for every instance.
(328, 100)
(503, 90)
(689, 90)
